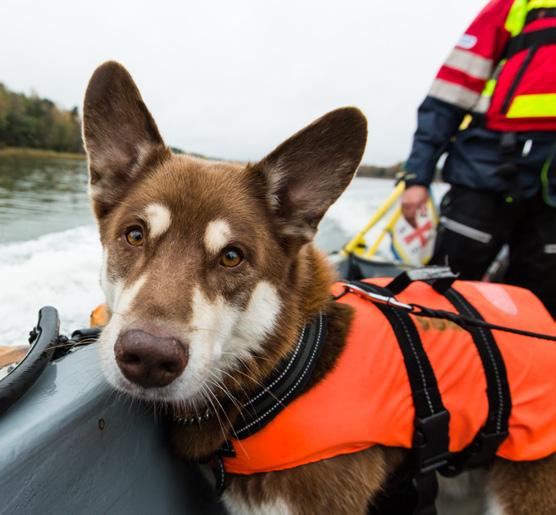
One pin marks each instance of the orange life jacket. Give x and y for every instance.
(366, 399)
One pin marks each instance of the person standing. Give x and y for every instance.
(502, 165)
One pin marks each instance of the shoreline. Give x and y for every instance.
(40, 153)
(365, 171)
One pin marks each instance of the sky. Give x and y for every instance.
(232, 79)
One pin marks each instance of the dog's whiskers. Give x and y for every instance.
(207, 391)
(227, 392)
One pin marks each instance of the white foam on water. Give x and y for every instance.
(354, 208)
(59, 269)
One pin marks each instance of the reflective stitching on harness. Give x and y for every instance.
(284, 372)
(550, 248)
(421, 372)
(465, 230)
(495, 367)
(294, 386)
(220, 476)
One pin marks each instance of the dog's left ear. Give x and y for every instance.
(310, 170)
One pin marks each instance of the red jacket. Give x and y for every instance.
(512, 44)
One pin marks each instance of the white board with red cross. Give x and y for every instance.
(415, 245)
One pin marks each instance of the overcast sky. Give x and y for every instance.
(232, 78)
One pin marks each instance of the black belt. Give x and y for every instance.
(540, 14)
(527, 40)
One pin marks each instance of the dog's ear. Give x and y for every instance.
(120, 135)
(309, 171)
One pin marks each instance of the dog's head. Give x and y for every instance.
(200, 257)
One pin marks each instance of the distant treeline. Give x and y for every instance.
(389, 172)
(34, 122)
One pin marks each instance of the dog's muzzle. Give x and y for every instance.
(150, 361)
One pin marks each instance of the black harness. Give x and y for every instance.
(288, 381)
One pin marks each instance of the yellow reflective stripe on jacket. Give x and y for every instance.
(540, 4)
(518, 13)
(486, 95)
(489, 88)
(533, 106)
(516, 17)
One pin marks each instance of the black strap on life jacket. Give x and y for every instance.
(482, 450)
(287, 382)
(431, 423)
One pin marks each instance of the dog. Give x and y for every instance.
(209, 274)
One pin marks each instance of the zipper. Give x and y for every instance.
(519, 75)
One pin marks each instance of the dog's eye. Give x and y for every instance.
(231, 257)
(134, 236)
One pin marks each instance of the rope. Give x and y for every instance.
(466, 322)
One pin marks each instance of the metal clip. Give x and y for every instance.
(376, 297)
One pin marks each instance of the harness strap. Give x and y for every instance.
(431, 434)
(439, 277)
(482, 450)
(288, 381)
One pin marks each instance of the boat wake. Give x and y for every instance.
(59, 269)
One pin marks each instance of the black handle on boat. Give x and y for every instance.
(24, 375)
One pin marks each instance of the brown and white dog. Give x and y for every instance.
(209, 274)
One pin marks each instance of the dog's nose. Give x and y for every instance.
(149, 360)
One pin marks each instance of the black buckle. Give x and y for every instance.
(478, 453)
(227, 450)
(440, 278)
(431, 441)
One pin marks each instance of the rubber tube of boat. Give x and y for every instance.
(24, 375)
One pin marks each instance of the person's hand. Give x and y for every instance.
(414, 200)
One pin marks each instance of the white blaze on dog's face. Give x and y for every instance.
(198, 255)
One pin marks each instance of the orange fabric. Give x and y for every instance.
(366, 399)
(99, 316)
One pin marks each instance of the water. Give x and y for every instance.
(49, 248)
(41, 196)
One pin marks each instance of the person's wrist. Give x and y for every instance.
(412, 183)
(411, 179)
